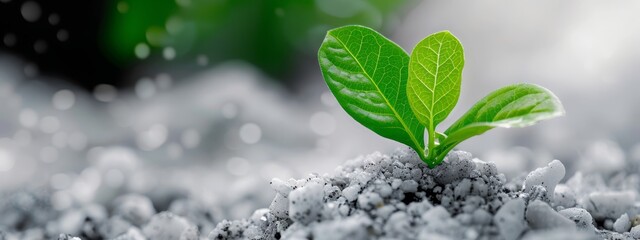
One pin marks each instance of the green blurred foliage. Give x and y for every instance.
(266, 33)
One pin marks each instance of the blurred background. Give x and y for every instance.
(175, 98)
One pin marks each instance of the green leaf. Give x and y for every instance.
(517, 105)
(435, 73)
(368, 75)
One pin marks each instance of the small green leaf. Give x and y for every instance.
(517, 105)
(368, 75)
(435, 73)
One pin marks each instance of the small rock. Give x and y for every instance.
(608, 224)
(611, 205)
(227, 230)
(260, 217)
(281, 187)
(463, 188)
(353, 227)
(351, 192)
(580, 217)
(564, 196)
(635, 220)
(280, 206)
(167, 226)
(409, 186)
(385, 211)
(398, 225)
(622, 224)
(202, 215)
(436, 214)
(114, 226)
(510, 219)
(384, 189)
(369, 200)
(481, 217)
(131, 234)
(305, 203)
(558, 234)
(485, 168)
(417, 208)
(548, 177)
(67, 237)
(635, 232)
(541, 216)
(395, 184)
(135, 208)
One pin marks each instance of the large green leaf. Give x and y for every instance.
(368, 75)
(517, 105)
(435, 72)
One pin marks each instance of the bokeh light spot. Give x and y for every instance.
(250, 133)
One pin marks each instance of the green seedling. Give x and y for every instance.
(399, 96)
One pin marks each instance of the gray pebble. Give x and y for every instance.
(580, 217)
(622, 224)
(541, 216)
(135, 208)
(510, 219)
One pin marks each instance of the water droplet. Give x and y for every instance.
(54, 19)
(250, 133)
(6, 160)
(49, 124)
(145, 88)
(238, 166)
(49, 154)
(322, 123)
(31, 11)
(10, 39)
(63, 99)
(62, 35)
(142, 50)
(169, 53)
(105, 93)
(28, 118)
(202, 60)
(152, 138)
(190, 138)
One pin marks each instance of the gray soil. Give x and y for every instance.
(372, 197)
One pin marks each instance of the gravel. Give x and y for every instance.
(376, 196)
(397, 197)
